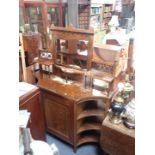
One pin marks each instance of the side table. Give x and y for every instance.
(117, 139)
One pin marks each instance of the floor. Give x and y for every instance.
(66, 149)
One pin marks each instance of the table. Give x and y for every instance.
(117, 139)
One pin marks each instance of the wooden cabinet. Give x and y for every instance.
(72, 112)
(117, 139)
(31, 102)
(31, 43)
(41, 14)
(58, 115)
(83, 15)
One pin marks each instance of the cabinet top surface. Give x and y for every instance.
(72, 90)
(120, 127)
(25, 88)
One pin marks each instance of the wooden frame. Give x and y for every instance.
(44, 5)
(72, 36)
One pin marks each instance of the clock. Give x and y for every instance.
(44, 54)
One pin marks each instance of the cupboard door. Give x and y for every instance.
(59, 117)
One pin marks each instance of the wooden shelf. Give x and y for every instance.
(89, 126)
(100, 61)
(86, 139)
(88, 113)
(102, 75)
(107, 13)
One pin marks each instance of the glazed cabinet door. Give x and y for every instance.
(59, 116)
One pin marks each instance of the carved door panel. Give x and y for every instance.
(59, 118)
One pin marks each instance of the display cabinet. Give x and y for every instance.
(83, 15)
(31, 102)
(34, 13)
(95, 16)
(41, 14)
(72, 112)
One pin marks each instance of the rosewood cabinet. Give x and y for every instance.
(31, 102)
(72, 112)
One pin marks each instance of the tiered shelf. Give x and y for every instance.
(89, 120)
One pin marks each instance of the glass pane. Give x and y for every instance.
(35, 19)
(64, 16)
(52, 16)
(36, 22)
(21, 18)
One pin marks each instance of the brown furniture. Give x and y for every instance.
(72, 113)
(83, 14)
(111, 57)
(104, 62)
(70, 43)
(117, 139)
(31, 43)
(108, 64)
(31, 102)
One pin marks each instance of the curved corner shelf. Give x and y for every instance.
(89, 126)
(88, 113)
(86, 139)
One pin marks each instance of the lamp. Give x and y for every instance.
(128, 88)
(113, 23)
(117, 108)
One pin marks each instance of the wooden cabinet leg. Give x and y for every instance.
(74, 149)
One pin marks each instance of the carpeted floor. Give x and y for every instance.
(66, 149)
